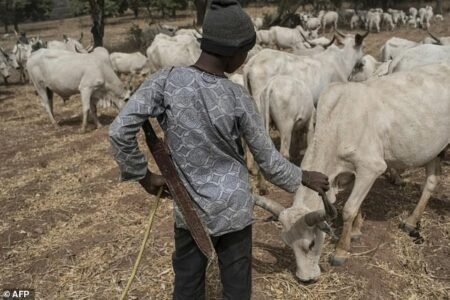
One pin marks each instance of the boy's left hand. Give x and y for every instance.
(152, 182)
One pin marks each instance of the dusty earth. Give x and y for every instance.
(70, 230)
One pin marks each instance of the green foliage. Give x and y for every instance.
(112, 7)
(17, 11)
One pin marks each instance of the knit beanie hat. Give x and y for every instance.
(227, 29)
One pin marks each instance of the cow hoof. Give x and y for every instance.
(408, 228)
(356, 237)
(338, 260)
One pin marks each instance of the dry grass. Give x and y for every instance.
(69, 230)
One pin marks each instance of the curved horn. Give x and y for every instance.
(81, 37)
(434, 37)
(340, 33)
(315, 217)
(78, 51)
(312, 44)
(330, 43)
(330, 210)
(90, 48)
(360, 38)
(272, 206)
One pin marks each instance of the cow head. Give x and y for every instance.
(304, 231)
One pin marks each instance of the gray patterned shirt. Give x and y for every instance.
(207, 152)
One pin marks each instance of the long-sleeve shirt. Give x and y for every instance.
(203, 117)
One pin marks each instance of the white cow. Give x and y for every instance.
(334, 64)
(313, 24)
(264, 37)
(290, 108)
(426, 17)
(394, 134)
(6, 62)
(330, 18)
(394, 47)
(387, 21)
(69, 44)
(413, 12)
(439, 17)
(66, 73)
(373, 20)
(288, 38)
(193, 32)
(317, 71)
(258, 23)
(412, 22)
(355, 22)
(130, 63)
(419, 56)
(165, 51)
(432, 39)
(368, 67)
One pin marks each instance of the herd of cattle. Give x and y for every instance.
(360, 116)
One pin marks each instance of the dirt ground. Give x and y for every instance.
(70, 230)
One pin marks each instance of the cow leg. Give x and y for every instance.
(130, 80)
(363, 182)
(433, 172)
(286, 131)
(86, 105)
(47, 102)
(356, 227)
(93, 108)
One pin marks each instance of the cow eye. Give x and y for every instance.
(312, 245)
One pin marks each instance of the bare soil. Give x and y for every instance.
(70, 230)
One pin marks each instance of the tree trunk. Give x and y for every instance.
(98, 21)
(200, 6)
(439, 7)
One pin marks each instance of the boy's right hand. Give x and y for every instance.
(152, 182)
(315, 181)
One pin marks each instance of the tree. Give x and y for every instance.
(17, 11)
(98, 21)
(200, 6)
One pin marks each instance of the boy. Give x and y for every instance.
(204, 115)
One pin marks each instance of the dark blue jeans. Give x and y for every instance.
(234, 252)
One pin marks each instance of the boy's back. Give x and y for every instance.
(204, 117)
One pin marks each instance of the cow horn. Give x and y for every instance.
(90, 48)
(315, 217)
(65, 38)
(272, 206)
(330, 209)
(360, 38)
(312, 44)
(340, 33)
(81, 37)
(330, 43)
(434, 37)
